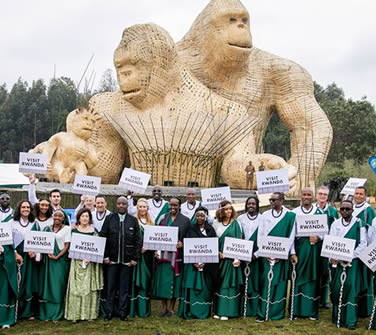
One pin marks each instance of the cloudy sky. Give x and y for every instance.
(334, 40)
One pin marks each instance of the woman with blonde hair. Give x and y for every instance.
(230, 278)
(142, 273)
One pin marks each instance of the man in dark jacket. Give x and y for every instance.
(123, 249)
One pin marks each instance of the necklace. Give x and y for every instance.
(98, 217)
(277, 216)
(345, 225)
(157, 202)
(22, 225)
(84, 230)
(5, 211)
(304, 211)
(252, 218)
(193, 206)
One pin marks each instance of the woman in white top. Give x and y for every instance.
(55, 270)
(23, 222)
(43, 213)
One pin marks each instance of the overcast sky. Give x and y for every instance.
(334, 40)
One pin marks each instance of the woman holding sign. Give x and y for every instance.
(43, 213)
(198, 279)
(356, 274)
(230, 279)
(85, 278)
(23, 221)
(141, 283)
(54, 274)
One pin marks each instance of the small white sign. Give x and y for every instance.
(368, 256)
(134, 180)
(272, 181)
(160, 238)
(352, 184)
(211, 197)
(39, 242)
(237, 248)
(87, 247)
(201, 250)
(311, 225)
(338, 248)
(6, 236)
(274, 247)
(32, 163)
(86, 185)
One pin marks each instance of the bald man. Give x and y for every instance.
(188, 208)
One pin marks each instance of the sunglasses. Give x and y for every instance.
(345, 209)
(4, 198)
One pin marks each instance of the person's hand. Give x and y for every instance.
(51, 256)
(236, 263)
(31, 254)
(143, 250)
(32, 178)
(156, 255)
(83, 198)
(132, 263)
(74, 226)
(333, 261)
(179, 245)
(129, 193)
(107, 261)
(313, 239)
(86, 262)
(221, 256)
(294, 259)
(19, 258)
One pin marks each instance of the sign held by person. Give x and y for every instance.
(160, 238)
(201, 250)
(368, 256)
(372, 163)
(338, 248)
(87, 247)
(88, 185)
(274, 247)
(6, 236)
(272, 181)
(311, 225)
(42, 242)
(32, 163)
(237, 248)
(211, 197)
(135, 181)
(352, 184)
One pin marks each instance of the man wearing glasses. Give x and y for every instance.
(278, 221)
(6, 211)
(322, 203)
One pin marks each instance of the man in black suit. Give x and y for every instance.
(123, 249)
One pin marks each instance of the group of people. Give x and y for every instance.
(53, 287)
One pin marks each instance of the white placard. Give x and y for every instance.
(211, 197)
(135, 181)
(339, 248)
(32, 163)
(272, 181)
(201, 250)
(311, 225)
(39, 242)
(237, 248)
(368, 256)
(274, 247)
(160, 238)
(6, 236)
(352, 184)
(87, 247)
(86, 185)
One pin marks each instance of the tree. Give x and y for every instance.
(108, 83)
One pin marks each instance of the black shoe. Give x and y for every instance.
(260, 320)
(108, 317)
(123, 318)
(351, 327)
(325, 306)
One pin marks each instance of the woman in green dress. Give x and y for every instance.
(23, 222)
(230, 280)
(198, 279)
(43, 213)
(142, 272)
(85, 278)
(54, 271)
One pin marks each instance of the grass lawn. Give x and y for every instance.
(155, 325)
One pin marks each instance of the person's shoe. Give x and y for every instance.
(170, 314)
(108, 317)
(224, 318)
(313, 318)
(162, 314)
(5, 327)
(351, 327)
(123, 318)
(325, 306)
(259, 320)
(216, 317)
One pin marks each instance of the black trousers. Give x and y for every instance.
(117, 277)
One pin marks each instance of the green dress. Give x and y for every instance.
(53, 284)
(307, 284)
(356, 281)
(84, 286)
(197, 287)
(141, 284)
(278, 288)
(29, 285)
(227, 300)
(8, 286)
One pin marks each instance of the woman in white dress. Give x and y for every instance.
(43, 213)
